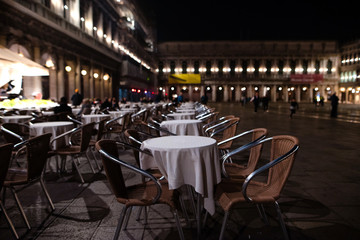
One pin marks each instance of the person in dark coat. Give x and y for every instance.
(77, 98)
(106, 104)
(256, 101)
(293, 107)
(334, 105)
(63, 107)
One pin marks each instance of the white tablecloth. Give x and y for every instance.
(94, 118)
(182, 116)
(184, 127)
(55, 128)
(183, 160)
(15, 118)
(186, 111)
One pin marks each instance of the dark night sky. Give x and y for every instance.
(201, 20)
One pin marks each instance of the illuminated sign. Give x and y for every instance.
(184, 79)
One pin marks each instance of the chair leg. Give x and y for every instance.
(127, 217)
(77, 169)
(191, 195)
(223, 226)
(8, 220)
(120, 222)
(20, 208)
(178, 225)
(88, 159)
(183, 209)
(262, 213)
(281, 220)
(95, 159)
(46, 193)
(138, 214)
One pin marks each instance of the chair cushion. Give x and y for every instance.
(143, 194)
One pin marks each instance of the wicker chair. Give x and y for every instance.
(234, 170)
(225, 131)
(75, 151)
(5, 153)
(229, 193)
(15, 132)
(143, 194)
(37, 153)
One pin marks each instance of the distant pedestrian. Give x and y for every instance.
(76, 98)
(204, 99)
(256, 101)
(293, 107)
(265, 102)
(334, 105)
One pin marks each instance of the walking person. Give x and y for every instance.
(76, 98)
(256, 101)
(293, 107)
(334, 105)
(265, 102)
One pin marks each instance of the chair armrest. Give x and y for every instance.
(245, 147)
(160, 129)
(239, 135)
(74, 120)
(134, 148)
(264, 168)
(113, 120)
(65, 134)
(217, 130)
(12, 133)
(137, 170)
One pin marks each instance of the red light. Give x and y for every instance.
(133, 90)
(138, 90)
(166, 94)
(152, 92)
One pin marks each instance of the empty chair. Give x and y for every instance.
(282, 156)
(225, 131)
(36, 153)
(234, 170)
(15, 132)
(5, 153)
(143, 194)
(75, 151)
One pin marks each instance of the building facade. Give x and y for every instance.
(234, 71)
(102, 48)
(349, 83)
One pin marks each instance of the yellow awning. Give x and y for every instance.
(184, 79)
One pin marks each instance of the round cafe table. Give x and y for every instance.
(55, 128)
(181, 116)
(94, 118)
(191, 160)
(184, 127)
(15, 118)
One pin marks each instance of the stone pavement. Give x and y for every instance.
(321, 199)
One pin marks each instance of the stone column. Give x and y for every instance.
(249, 91)
(202, 90)
(60, 78)
(77, 75)
(226, 93)
(273, 93)
(213, 93)
(91, 80)
(298, 93)
(237, 93)
(286, 93)
(311, 93)
(190, 93)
